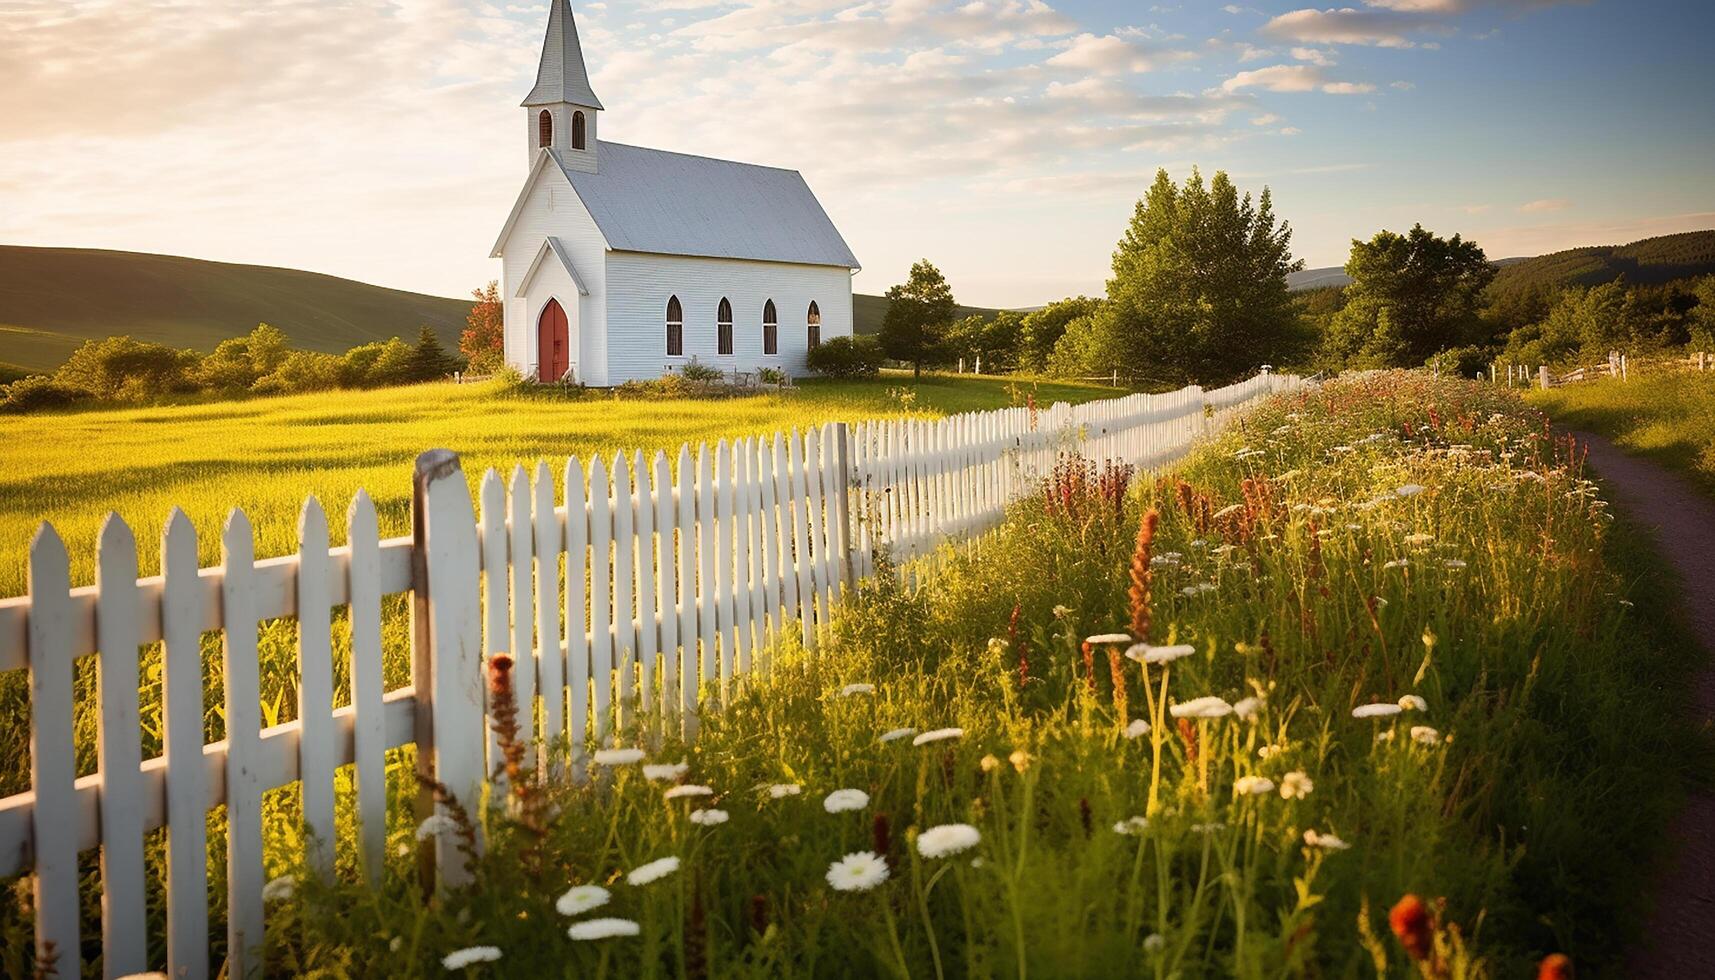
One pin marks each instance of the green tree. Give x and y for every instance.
(992, 340)
(919, 313)
(1043, 328)
(483, 341)
(239, 362)
(1198, 290)
(1411, 296)
(123, 369)
(429, 360)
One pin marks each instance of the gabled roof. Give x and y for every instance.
(647, 200)
(561, 76)
(554, 247)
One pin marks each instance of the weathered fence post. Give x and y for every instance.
(1542, 376)
(842, 502)
(446, 657)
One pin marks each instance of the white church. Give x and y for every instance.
(624, 263)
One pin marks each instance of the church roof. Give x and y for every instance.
(646, 200)
(561, 76)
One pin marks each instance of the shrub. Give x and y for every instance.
(697, 371)
(37, 391)
(1463, 362)
(771, 376)
(122, 368)
(847, 357)
(303, 370)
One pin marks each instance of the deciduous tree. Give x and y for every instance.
(483, 341)
(1411, 296)
(919, 313)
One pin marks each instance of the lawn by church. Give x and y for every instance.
(266, 454)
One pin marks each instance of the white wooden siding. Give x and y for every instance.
(551, 207)
(638, 285)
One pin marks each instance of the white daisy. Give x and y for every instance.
(1412, 702)
(1204, 707)
(1409, 490)
(458, 959)
(1425, 735)
(1153, 943)
(602, 929)
(1296, 785)
(1104, 639)
(947, 839)
(1397, 563)
(780, 791)
(663, 771)
(708, 818)
(689, 789)
(851, 689)
(1270, 751)
(938, 735)
(857, 872)
(1246, 707)
(1253, 785)
(1145, 653)
(841, 800)
(1131, 826)
(896, 734)
(1327, 842)
(1380, 709)
(279, 889)
(1137, 729)
(617, 757)
(653, 871)
(581, 898)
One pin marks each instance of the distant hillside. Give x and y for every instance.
(868, 312)
(1652, 260)
(1335, 275)
(53, 299)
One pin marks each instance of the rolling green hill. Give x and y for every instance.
(868, 311)
(1651, 260)
(53, 299)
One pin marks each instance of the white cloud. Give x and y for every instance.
(1288, 130)
(1544, 205)
(1348, 25)
(1403, 86)
(1265, 119)
(1111, 55)
(1315, 56)
(1292, 78)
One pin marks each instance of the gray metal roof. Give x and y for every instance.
(561, 76)
(647, 200)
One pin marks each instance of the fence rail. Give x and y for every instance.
(632, 602)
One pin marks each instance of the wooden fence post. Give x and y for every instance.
(446, 655)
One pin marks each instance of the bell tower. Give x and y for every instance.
(561, 110)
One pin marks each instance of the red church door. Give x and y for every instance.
(554, 349)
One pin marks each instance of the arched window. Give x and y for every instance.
(723, 327)
(815, 324)
(577, 130)
(544, 128)
(770, 329)
(675, 328)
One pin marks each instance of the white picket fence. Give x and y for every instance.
(678, 578)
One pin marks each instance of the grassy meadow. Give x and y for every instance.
(1394, 712)
(267, 454)
(1668, 416)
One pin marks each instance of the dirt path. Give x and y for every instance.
(1680, 936)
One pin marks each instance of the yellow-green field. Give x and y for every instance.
(265, 455)
(1668, 416)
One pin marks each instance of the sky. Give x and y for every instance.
(1005, 140)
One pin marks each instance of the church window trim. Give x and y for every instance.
(813, 325)
(723, 328)
(544, 128)
(578, 131)
(675, 327)
(770, 330)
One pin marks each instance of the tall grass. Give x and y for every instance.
(1668, 416)
(1390, 657)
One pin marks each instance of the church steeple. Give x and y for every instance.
(562, 108)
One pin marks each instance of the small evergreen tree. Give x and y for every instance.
(429, 360)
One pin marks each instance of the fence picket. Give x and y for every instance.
(123, 949)
(767, 547)
(521, 561)
(707, 594)
(743, 614)
(496, 632)
(816, 556)
(667, 594)
(244, 873)
(550, 661)
(53, 766)
(601, 598)
(686, 519)
(624, 614)
(722, 524)
(806, 592)
(369, 736)
(648, 632)
(577, 613)
(315, 687)
(181, 749)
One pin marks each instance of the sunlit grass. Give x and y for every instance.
(1668, 416)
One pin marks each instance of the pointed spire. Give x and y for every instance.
(562, 77)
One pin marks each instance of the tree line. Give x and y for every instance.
(1198, 293)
